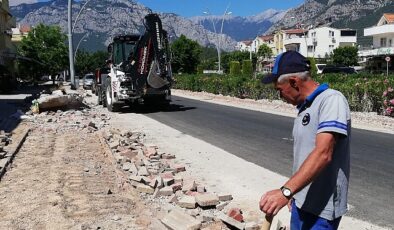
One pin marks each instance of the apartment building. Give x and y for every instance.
(383, 37)
(380, 55)
(260, 40)
(318, 42)
(19, 32)
(244, 46)
(7, 22)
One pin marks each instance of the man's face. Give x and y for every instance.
(287, 92)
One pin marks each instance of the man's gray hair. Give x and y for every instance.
(301, 75)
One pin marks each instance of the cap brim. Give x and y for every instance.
(270, 78)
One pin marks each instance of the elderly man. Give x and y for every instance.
(317, 192)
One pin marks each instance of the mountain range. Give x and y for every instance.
(102, 20)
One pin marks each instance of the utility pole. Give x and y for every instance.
(70, 45)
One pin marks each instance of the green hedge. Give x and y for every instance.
(365, 92)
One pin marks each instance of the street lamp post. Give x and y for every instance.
(70, 45)
(70, 28)
(218, 46)
(79, 43)
(221, 33)
(79, 14)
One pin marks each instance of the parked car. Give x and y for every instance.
(320, 68)
(339, 69)
(88, 81)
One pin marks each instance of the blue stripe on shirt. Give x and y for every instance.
(334, 124)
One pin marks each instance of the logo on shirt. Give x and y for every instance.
(306, 119)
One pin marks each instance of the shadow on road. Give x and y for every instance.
(147, 109)
(16, 103)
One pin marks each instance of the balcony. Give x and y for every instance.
(297, 40)
(381, 51)
(379, 30)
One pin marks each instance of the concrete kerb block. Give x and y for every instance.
(145, 189)
(178, 220)
(166, 191)
(225, 197)
(230, 221)
(189, 185)
(187, 202)
(207, 200)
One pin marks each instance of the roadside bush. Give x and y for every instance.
(388, 101)
(235, 68)
(365, 92)
(247, 67)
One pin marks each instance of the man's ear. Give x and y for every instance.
(293, 82)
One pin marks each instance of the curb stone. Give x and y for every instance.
(11, 154)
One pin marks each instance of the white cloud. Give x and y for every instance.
(17, 2)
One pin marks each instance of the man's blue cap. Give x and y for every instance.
(287, 62)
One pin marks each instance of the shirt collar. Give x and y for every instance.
(309, 99)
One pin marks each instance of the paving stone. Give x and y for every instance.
(3, 162)
(167, 175)
(126, 166)
(160, 182)
(150, 151)
(173, 199)
(167, 156)
(230, 221)
(179, 168)
(166, 191)
(178, 179)
(113, 145)
(178, 220)
(225, 197)
(189, 185)
(206, 217)
(135, 178)
(236, 214)
(176, 187)
(153, 183)
(145, 189)
(193, 212)
(206, 200)
(118, 157)
(222, 205)
(146, 180)
(129, 153)
(133, 169)
(187, 202)
(201, 189)
(143, 171)
(168, 181)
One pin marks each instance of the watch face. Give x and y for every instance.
(286, 192)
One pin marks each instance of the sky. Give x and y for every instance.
(190, 8)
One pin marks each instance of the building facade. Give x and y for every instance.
(318, 42)
(380, 55)
(7, 22)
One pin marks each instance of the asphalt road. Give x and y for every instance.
(265, 139)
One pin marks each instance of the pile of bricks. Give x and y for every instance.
(88, 120)
(156, 174)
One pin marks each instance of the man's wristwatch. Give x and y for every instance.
(286, 192)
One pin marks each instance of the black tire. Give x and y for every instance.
(112, 107)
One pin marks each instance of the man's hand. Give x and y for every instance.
(272, 202)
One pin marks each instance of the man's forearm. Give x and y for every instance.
(318, 160)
